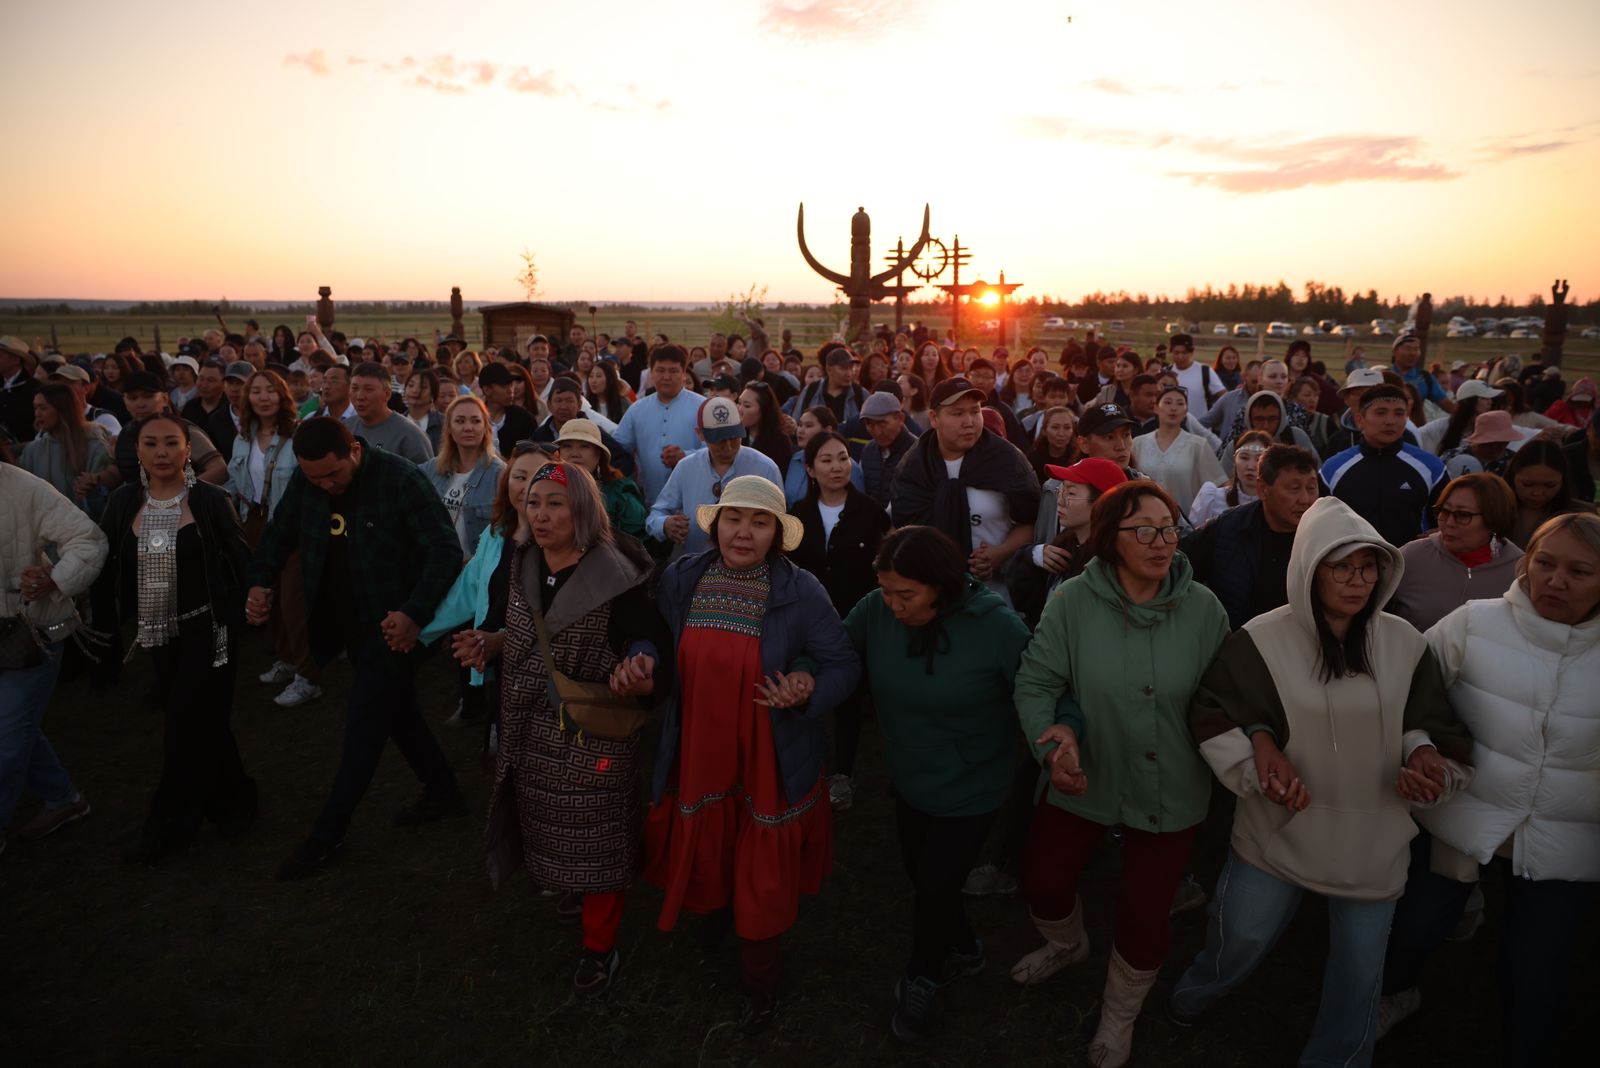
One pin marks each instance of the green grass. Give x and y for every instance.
(401, 954)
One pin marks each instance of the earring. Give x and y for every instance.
(144, 477)
(188, 474)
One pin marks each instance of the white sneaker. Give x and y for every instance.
(278, 672)
(298, 692)
(841, 792)
(1393, 1008)
(986, 880)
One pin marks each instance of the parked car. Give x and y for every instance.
(1244, 330)
(1523, 333)
(1344, 330)
(1461, 330)
(1220, 328)
(1314, 330)
(1175, 328)
(1055, 322)
(988, 326)
(1117, 324)
(1280, 330)
(1383, 330)
(1590, 333)
(1494, 334)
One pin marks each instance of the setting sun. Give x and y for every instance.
(990, 297)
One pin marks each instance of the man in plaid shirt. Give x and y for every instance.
(378, 553)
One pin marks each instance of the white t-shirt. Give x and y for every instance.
(1192, 378)
(455, 497)
(991, 522)
(830, 519)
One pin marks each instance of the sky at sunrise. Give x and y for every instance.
(652, 151)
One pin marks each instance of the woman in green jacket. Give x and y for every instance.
(1129, 639)
(580, 443)
(939, 650)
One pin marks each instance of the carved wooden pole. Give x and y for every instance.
(1555, 323)
(457, 327)
(325, 307)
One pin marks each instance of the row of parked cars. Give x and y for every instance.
(1526, 327)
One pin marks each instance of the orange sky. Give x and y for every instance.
(653, 152)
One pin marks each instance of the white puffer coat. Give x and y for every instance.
(1529, 691)
(34, 516)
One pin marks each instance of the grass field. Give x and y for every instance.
(99, 333)
(400, 954)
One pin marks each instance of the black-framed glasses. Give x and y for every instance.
(1346, 573)
(1456, 515)
(1146, 535)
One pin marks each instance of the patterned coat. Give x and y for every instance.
(567, 809)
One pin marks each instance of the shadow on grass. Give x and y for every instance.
(400, 953)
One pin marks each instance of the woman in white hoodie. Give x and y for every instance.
(1328, 718)
(1523, 672)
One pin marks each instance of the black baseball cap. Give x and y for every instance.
(495, 374)
(1104, 418)
(953, 389)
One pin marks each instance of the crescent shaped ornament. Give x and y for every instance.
(336, 525)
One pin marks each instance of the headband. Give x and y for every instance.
(553, 472)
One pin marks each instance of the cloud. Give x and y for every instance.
(315, 61)
(1318, 161)
(1266, 166)
(422, 81)
(1509, 149)
(1110, 85)
(356, 61)
(830, 20)
(523, 80)
(483, 73)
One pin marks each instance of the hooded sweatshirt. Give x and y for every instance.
(1133, 669)
(1288, 433)
(942, 694)
(1347, 738)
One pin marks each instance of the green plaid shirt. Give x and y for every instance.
(403, 550)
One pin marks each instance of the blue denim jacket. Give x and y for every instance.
(478, 504)
(801, 631)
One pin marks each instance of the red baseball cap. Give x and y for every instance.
(1095, 471)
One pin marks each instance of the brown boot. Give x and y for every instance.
(1064, 944)
(1120, 1004)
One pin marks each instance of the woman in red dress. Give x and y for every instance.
(740, 826)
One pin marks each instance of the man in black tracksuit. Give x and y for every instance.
(1388, 481)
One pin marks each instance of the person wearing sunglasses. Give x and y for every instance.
(1129, 639)
(1328, 718)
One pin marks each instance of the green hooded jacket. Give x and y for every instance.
(948, 734)
(1133, 670)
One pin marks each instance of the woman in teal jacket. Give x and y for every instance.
(939, 650)
(1129, 638)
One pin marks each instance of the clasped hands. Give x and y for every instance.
(1421, 779)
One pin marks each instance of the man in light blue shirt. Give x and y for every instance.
(1407, 354)
(660, 429)
(698, 477)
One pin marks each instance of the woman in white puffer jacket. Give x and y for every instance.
(1524, 676)
(50, 552)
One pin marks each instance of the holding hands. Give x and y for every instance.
(1423, 776)
(785, 691)
(1279, 781)
(634, 676)
(257, 605)
(476, 648)
(1064, 762)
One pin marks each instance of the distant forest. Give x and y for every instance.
(1245, 303)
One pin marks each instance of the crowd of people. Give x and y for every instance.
(1073, 591)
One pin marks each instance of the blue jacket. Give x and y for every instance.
(281, 465)
(478, 504)
(801, 631)
(468, 599)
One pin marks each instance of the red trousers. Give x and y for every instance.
(1060, 844)
(602, 915)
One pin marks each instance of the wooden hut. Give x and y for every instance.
(511, 325)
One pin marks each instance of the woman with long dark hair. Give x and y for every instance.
(843, 527)
(931, 364)
(63, 451)
(176, 565)
(1055, 441)
(1328, 718)
(1017, 393)
(763, 423)
(604, 389)
(1226, 367)
(282, 348)
(914, 393)
(1538, 476)
(796, 481)
(421, 397)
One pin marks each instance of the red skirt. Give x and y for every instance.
(724, 833)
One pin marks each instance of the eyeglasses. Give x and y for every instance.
(1148, 535)
(1456, 515)
(528, 445)
(1346, 573)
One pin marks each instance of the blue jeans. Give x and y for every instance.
(26, 759)
(1247, 916)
